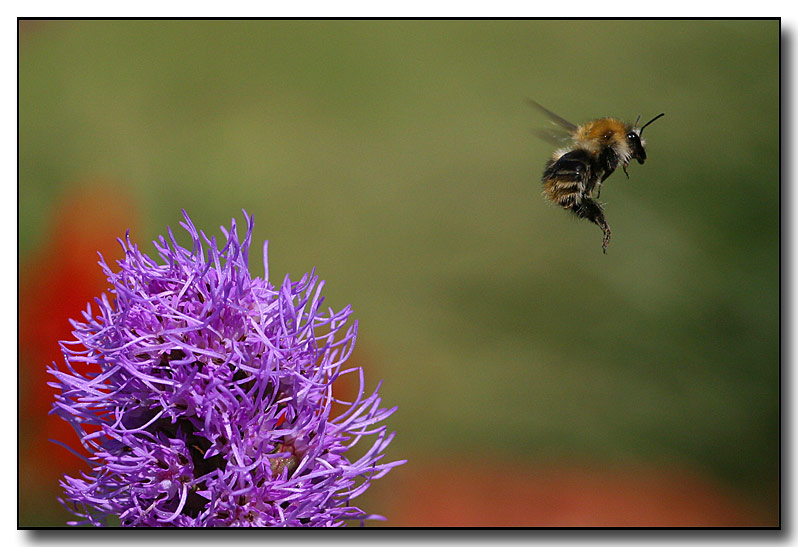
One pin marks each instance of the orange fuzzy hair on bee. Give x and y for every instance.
(605, 134)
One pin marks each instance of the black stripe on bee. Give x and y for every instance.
(573, 166)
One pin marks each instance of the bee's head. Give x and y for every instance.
(634, 138)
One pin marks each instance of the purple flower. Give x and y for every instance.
(204, 396)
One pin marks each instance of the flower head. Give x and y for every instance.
(204, 396)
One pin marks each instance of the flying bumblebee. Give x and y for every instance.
(596, 149)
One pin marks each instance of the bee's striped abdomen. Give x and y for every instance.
(565, 181)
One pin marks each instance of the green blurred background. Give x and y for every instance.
(398, 157)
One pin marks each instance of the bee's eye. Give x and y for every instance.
(633, 138)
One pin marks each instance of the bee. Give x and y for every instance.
(597, 148)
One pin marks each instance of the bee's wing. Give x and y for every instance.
(556, 136)
(562, 122)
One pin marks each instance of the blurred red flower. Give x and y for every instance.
(56, 281)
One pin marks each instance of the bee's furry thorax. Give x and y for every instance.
(597, 135)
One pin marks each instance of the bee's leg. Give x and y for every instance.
(624, 170)
(605, 176)
(591, 210)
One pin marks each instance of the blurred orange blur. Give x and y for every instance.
(484, 493)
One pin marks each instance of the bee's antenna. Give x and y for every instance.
(649, 122)
(637, 120)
